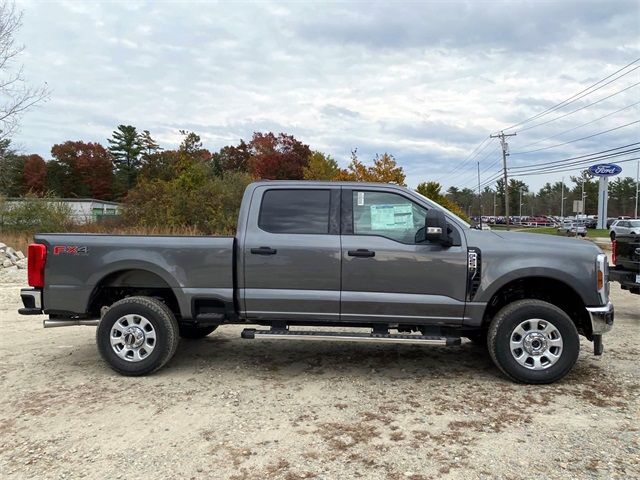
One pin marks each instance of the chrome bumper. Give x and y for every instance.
(601, 318)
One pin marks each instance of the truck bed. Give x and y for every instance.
(194, 267)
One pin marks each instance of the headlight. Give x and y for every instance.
(602, 277)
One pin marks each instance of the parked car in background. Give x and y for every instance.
(572, 229)
(625, 227)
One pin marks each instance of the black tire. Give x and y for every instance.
(163, 323)
(612, 235)
(502, 328)
(195, 333)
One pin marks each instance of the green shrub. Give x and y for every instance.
(41, 214)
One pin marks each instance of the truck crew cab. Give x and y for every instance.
(330, 254)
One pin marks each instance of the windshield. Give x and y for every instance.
(463, 222)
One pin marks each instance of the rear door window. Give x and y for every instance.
(295, 211)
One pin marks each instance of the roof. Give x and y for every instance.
(327, 183)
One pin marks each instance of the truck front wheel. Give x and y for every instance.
(533, 341)
(137, 335)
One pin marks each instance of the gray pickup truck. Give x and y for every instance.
(367, 262)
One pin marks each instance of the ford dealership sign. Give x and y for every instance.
(605, 169)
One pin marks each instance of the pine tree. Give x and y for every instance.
(125, 149)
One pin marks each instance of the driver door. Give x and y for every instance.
(390, 274)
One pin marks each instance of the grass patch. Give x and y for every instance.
(591, 232)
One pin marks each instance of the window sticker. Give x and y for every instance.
(391, 217)
(360, 199)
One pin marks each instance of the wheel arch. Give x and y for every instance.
(125, 282)
(552, 290)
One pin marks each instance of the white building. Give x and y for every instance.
(83, 210)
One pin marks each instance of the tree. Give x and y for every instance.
(280, 157)
(125, 150)
(15, 95)
(432, 190)
(384, 170)
(231, 159)
(148, 144)
(86, 169)
(11, 170)
(321, 167)
(34, 174)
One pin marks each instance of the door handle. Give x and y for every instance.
(361, 252)
(264, 251)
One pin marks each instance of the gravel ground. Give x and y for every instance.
(231, 408)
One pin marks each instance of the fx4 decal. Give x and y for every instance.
(70, 250)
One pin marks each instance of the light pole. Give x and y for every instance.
(637, 179)
(494, 205)
(562, 199)
(520, 219)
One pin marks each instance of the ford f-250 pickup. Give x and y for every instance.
(329, 254)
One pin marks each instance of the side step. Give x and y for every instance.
(252, 333)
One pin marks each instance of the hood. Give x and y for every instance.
(533, 241)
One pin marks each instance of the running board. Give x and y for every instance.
(252, 333)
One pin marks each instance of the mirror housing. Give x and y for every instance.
(436, 228)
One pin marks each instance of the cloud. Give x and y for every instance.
(426, 82)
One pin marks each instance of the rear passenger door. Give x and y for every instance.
(292, 254)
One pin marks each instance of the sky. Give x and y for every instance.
(424, 81)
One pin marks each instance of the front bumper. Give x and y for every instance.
(601, 318)
(32, 301)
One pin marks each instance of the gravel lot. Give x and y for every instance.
(231, 408)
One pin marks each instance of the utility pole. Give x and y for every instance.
(505, 154)
(479, 195)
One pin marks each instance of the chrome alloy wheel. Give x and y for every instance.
(133, 338)
(536, 344)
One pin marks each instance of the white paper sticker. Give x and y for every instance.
(360, 199)
(391, 217)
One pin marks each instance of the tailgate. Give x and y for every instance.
(628, 252)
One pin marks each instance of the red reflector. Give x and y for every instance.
(37, 256)
(614, 247)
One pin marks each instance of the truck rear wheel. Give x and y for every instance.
(137, 336)
(194, 333)
(533, 341)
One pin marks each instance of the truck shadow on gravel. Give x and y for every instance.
(287, 359)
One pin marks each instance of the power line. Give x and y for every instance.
(580, 156)
(579, 126)
(565, 169)
(577, 139)
(576, 163)
(464, 177)
(579, 109)
(573, 97)
(467, 158)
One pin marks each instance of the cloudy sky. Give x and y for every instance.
(425, 81)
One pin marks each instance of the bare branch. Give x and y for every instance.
(17, 96)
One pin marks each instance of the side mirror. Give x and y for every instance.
(436, 227)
